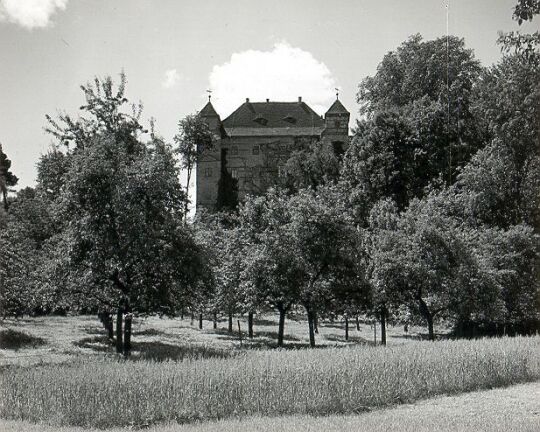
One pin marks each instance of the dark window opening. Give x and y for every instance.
(338, 148)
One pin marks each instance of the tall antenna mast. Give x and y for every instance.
(448, 93)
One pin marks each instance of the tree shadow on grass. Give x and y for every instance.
(422, 336)
(96, 343)
(262, 338)
(159, 351)
(352, 339)
(148, 332)
(274, 335)
(263, 322)
(93, 330)
(15, 340)
(155, 351)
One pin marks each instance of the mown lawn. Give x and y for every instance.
(69, 338)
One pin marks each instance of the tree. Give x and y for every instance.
(299, 245)
(524, 45)
(271, 269)
(123, 207)
(28, 226)
(7, 178)
(421, 258)
(224, 244)
(502, 180)
(193, 139)
(227, 194)
(52, 168)
(310, 165)
(418, 127)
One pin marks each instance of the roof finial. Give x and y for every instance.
(337, 93)
(209, 94)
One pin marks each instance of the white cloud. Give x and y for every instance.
(282, 74)
(30, 13)
(171, 78)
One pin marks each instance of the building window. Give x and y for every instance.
(337, 124)
(234, 150)
(338, 148)
(256, 150)
(208, 172)
(234, 173)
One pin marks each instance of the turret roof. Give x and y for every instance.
(337, 108)
(208, 111)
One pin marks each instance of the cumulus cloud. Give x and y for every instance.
(171, 78)
(30, 13)
(282, 74)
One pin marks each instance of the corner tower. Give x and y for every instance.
(336, 130)
(211, 117)
(209, 162)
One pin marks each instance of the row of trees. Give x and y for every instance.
(432, 213)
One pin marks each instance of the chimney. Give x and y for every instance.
(299, 99)
(267, 100)
(247, 100)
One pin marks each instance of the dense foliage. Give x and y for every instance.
(432, 214)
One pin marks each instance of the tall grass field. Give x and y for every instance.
(105, 393)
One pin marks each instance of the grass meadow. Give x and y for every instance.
(510, 409)
(105, 392)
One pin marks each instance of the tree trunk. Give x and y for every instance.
(186, 204)
(119, 344)
(383, 326)
(357, 323)
(281, 326)
(230, 322)
(250, 325)
(424, 310)
(200, 321)
(239, 332)
(346, 328)
(127, 332)
(192, 316)
(110, 327)
(215, 320)
(316, 322)
(311, 327)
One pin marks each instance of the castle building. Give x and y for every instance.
(255, 141)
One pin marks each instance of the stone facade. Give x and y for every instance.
(256, 140)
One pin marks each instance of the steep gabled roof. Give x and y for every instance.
(337, 108)
(208, 111)
(249, 115)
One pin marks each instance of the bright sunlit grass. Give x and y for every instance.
(104, 393)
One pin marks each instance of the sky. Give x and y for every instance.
(173, 51)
